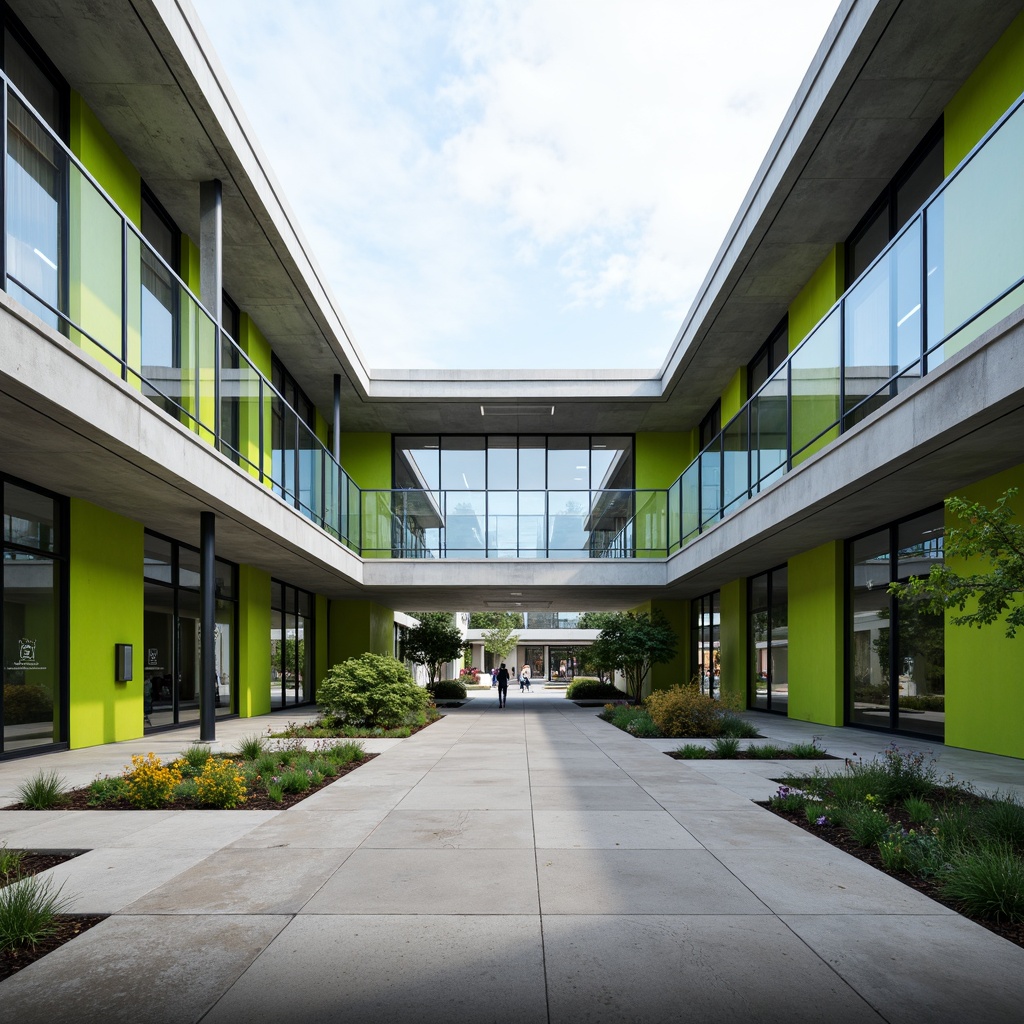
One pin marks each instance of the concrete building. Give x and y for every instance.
(190, 435)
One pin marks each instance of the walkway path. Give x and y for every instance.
(530, 864)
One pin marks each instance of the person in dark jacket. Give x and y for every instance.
(502, 685)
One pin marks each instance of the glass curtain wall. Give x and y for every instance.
(769, 641)
(292, 645)
(512, 496)
(705, 622)
(897, 648)
(171, 621)
(33, 703)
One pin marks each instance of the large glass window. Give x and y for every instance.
(769, 641)
(897, 648)
(706, 648)
(171, 631)
(33, 702)
(509, 496)
(292, 645)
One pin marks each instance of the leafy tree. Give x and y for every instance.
(988, 534)
(633, 642)
(433, 642)
(375, 690)
(500, 638)
(595, 620)
(488, 620)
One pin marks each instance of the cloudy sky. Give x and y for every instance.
(515, 183)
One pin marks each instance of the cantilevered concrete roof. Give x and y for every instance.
(882, 76)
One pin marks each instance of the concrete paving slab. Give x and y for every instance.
(610, 830)
(625, 797)
(823, 880)
(399, 969)
(130, 969)
(429, 882)
(750, 828)
(712, 969)
(299, 828)
(513, 797)
(690, 796)
(342, 797)
(455, 830)
(273, 881)
(106, 880)
(82, 830)
(640, 882)
(943, 970)
(194, 829)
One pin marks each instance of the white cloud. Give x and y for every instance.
(479, 179)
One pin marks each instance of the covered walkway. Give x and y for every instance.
(527, 864)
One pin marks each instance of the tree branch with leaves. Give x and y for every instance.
(991, 536)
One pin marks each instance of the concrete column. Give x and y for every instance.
(207, 628)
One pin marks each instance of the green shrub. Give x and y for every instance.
(907, 773)
(107, 790)
(955, 824)
(221, 784)
(374, 690)
(193, 758)
(642, 727)
(988, 882)
(924, 702)
(10, 861)
(1002, 821)
(805, 751)
(252, 747)
(265, 764)
(918, 809)
(187, 790)
(583, 688)
(29, 910)
(768, 751)
(691, 752)
(867, 824)
(448, 689)
(733, 725)
(686, 712)
(623, 715)
(25, 703)
(787, 799)
(46, 789)
(295, 781)
(726, 747)
(344, 753)
(149, 783)
(918, 852)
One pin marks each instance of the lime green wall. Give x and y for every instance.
(734, 395)
(323, 430)
(357, 627)
(660, 458)
(815, 299)
(985, 96)
(105, 608)
(676, 671)
(733, 639)
(102, 158)
(252, 342)
(816, 631)
(95, 240)
(253, 641)
(367, 460)
(983, 668)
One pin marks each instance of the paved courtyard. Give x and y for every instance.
(526, 864)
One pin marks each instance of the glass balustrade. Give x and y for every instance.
(74, 260)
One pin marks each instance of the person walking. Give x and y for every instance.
(525, 676)
(502, 685)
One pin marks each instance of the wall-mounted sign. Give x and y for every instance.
(27, 661)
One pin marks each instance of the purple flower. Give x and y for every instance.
(823, 820)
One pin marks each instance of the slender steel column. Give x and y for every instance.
(207, 628)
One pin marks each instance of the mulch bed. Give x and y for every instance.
(68, 925)
(842, 839)
(78, 799)
(743, 755)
